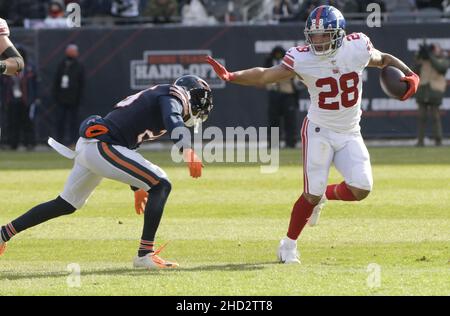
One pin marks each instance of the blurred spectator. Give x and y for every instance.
(432, 65)
(350, 6)
(55, 17)
(400, 5)
(5, 8)
(222, 10)
(309, 5)
(92, 8)
(19, 96)
(195, 13)
(364, 3)
(162, 11)
(22, 10)
(125, 8)
(446, 6)
(282, 101)
(67, 91)
(428, 5)
(283, 10)
(232, 13)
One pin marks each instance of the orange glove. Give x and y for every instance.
(220, 70)
(413, 81)
(194, 163)
(140, 201)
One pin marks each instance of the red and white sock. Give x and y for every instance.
(301, 212)
(339, 192)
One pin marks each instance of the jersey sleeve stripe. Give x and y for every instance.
(287, 66)
(4, 29)
(289, 55)
(181, 95)
(288, 62)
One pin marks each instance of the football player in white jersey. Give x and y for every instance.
(11, 62)
(331, 67)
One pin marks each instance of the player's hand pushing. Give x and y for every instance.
(140, 201)
(220, 70)
(194, 163)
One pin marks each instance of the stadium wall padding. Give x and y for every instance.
(119, 61)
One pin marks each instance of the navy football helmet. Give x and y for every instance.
(325, 20)
(201, 102)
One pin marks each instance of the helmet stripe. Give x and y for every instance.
(319, 13)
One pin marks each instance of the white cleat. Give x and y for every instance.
(287, 251)
(315, 216)
(153, 261)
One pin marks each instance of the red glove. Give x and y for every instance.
(194, 163)
(220, 70)
(413, 83)
(140, 200)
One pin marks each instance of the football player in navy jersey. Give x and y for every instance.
(105, 149)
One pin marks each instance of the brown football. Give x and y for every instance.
(391, 84)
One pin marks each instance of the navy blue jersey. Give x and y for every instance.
(149, 114)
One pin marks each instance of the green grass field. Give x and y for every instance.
(224, 230)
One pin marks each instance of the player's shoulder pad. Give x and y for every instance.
(4, 29)
(295, 54)
(181, 94)
(359, 41)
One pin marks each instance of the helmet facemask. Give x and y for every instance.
(200, 100)
(200, 105)
(325, 48)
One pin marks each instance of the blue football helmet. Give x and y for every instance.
(325, 20)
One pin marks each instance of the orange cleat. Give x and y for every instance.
(2, 247)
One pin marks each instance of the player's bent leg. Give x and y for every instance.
(359, 194)
(79, 185)
(345, 192)
(353, 162)
(147, 256)
(318, 155)
(317, 158)
(301, 212)
(122, 164)
(315, 216)
(37, 215)
(128, 166)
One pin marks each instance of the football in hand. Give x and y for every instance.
(391, 84)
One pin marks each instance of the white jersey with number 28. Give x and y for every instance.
(334, 82)
(4, 29)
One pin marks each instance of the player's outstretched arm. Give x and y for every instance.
(381, 60)
(12, 62)
(257, 76)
